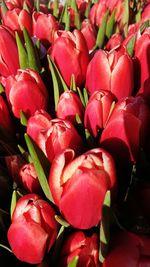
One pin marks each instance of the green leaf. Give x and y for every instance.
(73, 86)
(88, 8)
(144, 25)
(37, 5)
(25, 7)
(125, 17)
(67, 22)
(105, 227)
(4, 7)
(86, 96)
(23, 119)
(61, 221)
(59, 86)
(2, 89)
(23, 58)
(110, 24)
(64, 13)
(74, 6)
(39, 161)
(6, 248)
(102, 31)
(14, 199)
(33, 57)
(81, 96)
(55, 9)
(130, 45)
(74, 262)
(89, 139)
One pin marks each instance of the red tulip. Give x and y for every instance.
(44, 26)
(9, 60)
(29, 179)
(112, 71)
(115, 41)
(78, 185)
(62, 135)
(142, 54)
(33, 230)
(89, 32)
(69, 105)
(97, 12)
(16, 19)
(127, 130)
(14, 163)
(97, 111)
(37, 127)
(128, 250)
(85, 247)
(5, 117)
(71, 48)
(26, 92)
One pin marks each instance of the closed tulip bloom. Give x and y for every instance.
(44, 26)
(9, 60)
(62, 135)
(85, 247)
(115, 41)
(33, 229)
(5, 117)
(29, 179)
(97, 111)
(68, 106)
(16, 19)
(78, 185)
(142, 53)
(128, 250)
(26, 92)
(71, 48)
(89, 32)
(112, 71)
(37, 127)
(127, 130)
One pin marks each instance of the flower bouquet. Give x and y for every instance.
(75, 133)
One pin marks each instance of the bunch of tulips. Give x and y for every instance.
(75, 133)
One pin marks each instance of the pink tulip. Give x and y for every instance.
(97, 111)
(68, 106)
(78, 185)
(16, 19)
(33, 229)
(127, 130)
(112, 71)
(44, 26)
(62, 135)
(85, 247)
(29, 179)
(9, 60)
(26, 92)
(128, 250)
(71, 48)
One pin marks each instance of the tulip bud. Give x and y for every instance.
(128, 249)
(97, 111)
(26, 85)
(33, 229)
(44, 26)
(62, 135)
(9, 60)
(85, 247)
(89, 32)
(71, 48)
(78, 185)
(16, 19)
(37, 127)
(127, 130)
(111, 71)
(29, 179)
(69, 105)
